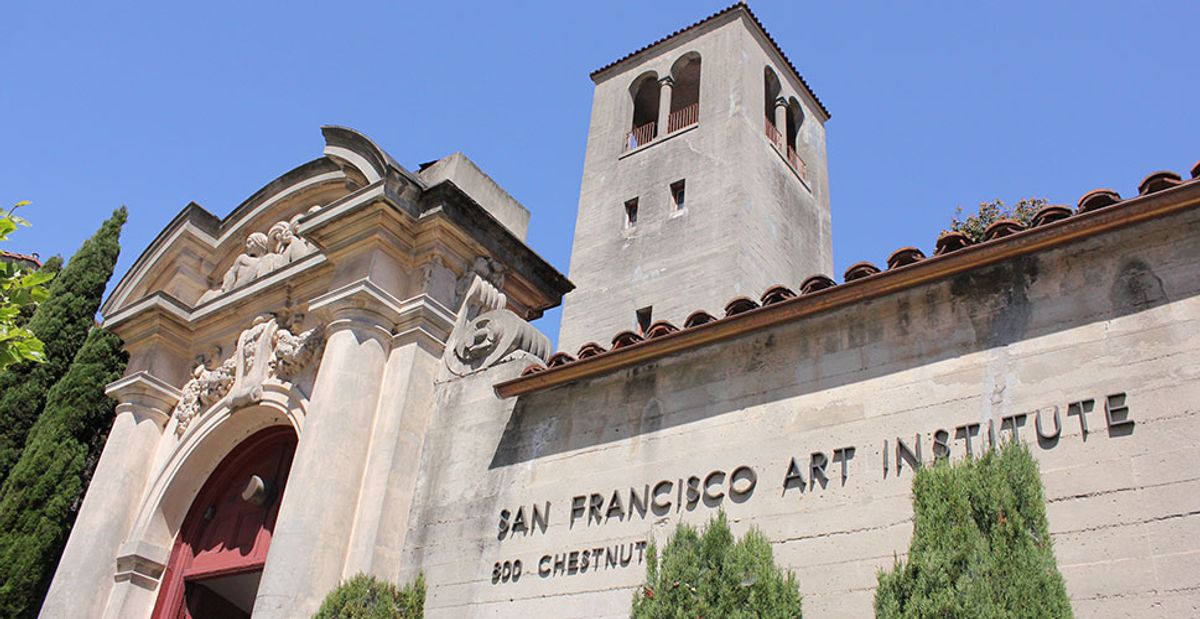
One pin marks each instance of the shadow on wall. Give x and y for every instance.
(993, 307)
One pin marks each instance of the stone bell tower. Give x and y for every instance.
(705, 179)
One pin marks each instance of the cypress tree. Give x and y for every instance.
(61, 322)
(40, 498)
(710, 574)
(980, 547)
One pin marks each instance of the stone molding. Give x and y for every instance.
(146, 393)
(141, 564)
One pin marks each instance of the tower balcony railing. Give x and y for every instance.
(683, 117)
(773, 134)
(640, 135)
(787, 150)
(794, 160)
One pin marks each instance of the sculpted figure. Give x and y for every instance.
(245, 268)
(281, 245)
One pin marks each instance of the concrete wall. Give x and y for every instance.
(463, 172)
(1116, 314)
(749, 221)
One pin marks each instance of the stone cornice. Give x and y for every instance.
(144, 391)
(361, 295)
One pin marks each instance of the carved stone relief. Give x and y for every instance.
(487, 333)
(264, 253)
(265, 350)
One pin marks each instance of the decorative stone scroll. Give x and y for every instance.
(264, 253)
(265, 350)
(486, 333)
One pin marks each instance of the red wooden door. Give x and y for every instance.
(227, 530)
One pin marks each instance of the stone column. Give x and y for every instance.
(665, 86)
(781, 123)
(84, 579)
(313, 531)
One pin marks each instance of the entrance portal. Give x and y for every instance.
(219, 554)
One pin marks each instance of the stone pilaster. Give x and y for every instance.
(85, 579)
(316, 518)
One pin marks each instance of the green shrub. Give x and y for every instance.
(367, 597)
(980, 546)
(709, 574)
(974, 224)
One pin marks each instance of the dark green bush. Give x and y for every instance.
(710, 574)
(981, 546)
(367, 597)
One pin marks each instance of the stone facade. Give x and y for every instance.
(436, 433)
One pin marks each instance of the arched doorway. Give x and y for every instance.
(218, 556)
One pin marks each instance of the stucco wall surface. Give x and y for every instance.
(748, 221)
(1106, 327)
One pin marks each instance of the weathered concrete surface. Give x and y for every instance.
(749, 222)
(1115, 314)
(463, 172)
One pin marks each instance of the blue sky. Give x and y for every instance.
(934, 104)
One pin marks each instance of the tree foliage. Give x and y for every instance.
(61, 322)
(40, 498)
(710, 574)
(20, 289)
(367, 597)
(980, 545)
(975, 224)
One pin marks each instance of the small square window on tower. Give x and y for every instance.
(631, 213)
(677, 194)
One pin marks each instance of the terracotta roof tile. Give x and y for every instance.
(1196, 170)
(590, 349)
(532, 369)
(734, 7)
(660, 328)
(1097, 198)
(1050, 214)
(15, 257)
(904, 257)
(951, 242)
(1002, 228)
(817, 282)
(775, 294)
(739, 305)
(859, 270)
(1158, 181)
(559, 358)
(625, 338)
(697, 318)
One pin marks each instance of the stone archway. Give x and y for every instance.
(222, 544)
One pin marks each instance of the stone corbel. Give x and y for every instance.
(486, 333)
(141, 564)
